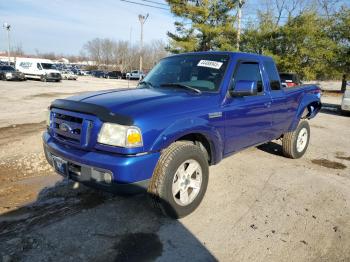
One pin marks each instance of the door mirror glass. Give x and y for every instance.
(244, 88)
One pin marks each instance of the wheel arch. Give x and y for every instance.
(203, 142)
(206, 135)
(308, 109)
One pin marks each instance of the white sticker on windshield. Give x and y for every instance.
(211, 64)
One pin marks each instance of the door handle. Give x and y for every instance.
(267, 104)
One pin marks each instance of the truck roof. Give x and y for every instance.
(38, 60)
(230, 53)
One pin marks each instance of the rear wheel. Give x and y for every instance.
(294, 144)
(180, 179)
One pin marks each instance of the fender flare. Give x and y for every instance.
(309, 106)
(188, 126)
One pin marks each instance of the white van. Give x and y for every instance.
(36, 68)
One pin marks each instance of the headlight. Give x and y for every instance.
(118, 135)
(48, 117)
(8, 74)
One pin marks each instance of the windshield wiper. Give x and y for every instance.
(148, 84)
(182, 86)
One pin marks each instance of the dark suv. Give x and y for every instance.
(9, 73)
(114, 75)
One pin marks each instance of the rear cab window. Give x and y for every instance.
(274, 78)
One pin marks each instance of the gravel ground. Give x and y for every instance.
(259, 205)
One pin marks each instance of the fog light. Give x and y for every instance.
(107, 178)
(102, 177)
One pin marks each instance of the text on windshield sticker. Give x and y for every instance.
(211, 64)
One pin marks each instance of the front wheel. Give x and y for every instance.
(180, 179)
(345, 113)
(294, 144)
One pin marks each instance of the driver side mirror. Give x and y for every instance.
(244, 88)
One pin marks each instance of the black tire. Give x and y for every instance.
(43, 79)
(345, 113)
(160, 188)
(290, 141)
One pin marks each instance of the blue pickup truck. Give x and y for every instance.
(191, 111)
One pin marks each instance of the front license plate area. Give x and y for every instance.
(60, 165)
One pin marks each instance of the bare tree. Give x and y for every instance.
(120, 55)
(94, 50)
(107, 46)
(328, 7)
(17, 51)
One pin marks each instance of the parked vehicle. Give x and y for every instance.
(136, 74)
(99, 74)
(85, 72)
(68, 75)
(35, 68)
(76, 71)
(9, 73)
(124, 75)
(345, 104)
(114, 75)
(191, 111)
(290, 79)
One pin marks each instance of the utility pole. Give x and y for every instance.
(142, 20)
(240, 4)
(7, 27)
(129, 51)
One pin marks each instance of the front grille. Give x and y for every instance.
(55, 75)
(67, 128)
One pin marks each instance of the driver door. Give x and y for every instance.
(247, 118)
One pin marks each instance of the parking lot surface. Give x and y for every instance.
(259, 206)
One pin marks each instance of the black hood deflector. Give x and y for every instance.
(104, 114)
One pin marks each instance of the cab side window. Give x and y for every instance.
(249, 71)
(39, 66)
(274, 78)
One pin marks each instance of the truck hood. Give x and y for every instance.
(140, 102)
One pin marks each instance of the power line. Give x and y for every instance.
(136, 3)
(154, 2)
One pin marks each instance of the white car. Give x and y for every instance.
(68, 75)
(345, 104)
(136, 74)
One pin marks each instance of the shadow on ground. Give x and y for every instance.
(271, 148)
(331, 109)
(82, 224)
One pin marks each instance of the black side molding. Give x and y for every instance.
(101, 112)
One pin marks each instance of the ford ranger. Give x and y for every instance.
(191, 111)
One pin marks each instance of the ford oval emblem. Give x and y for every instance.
(65, 127)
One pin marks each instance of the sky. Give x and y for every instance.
(64, 26)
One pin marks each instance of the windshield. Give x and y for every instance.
(48, 66)
(203, 72)
(7, 68)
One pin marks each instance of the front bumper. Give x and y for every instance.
(53, 77)
(130, 174)
(345, 105)
(15, 77)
